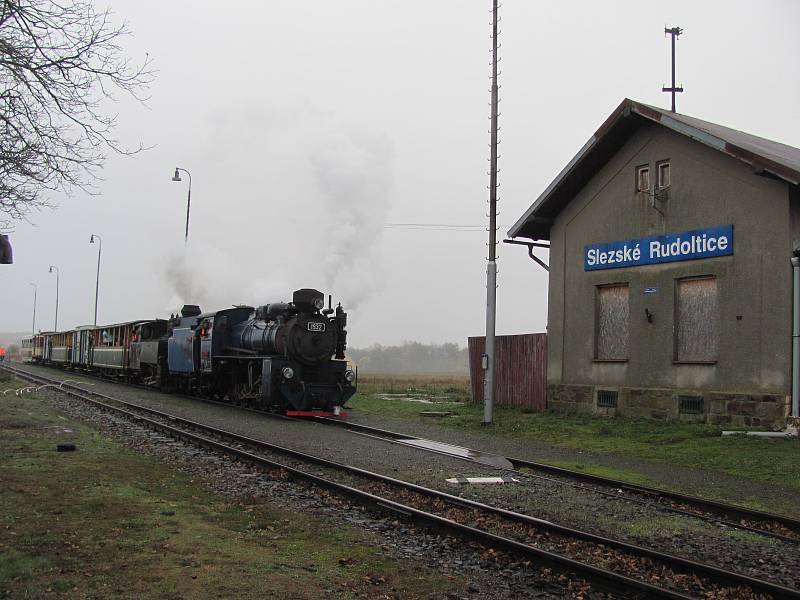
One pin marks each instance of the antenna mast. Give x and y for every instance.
(674, 32)
(491, 269)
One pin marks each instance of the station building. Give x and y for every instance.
(671, 279)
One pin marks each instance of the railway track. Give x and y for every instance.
(729, 515)
(609, 564)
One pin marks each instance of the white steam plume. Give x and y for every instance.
(287, 198)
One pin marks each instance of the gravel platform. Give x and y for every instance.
(646, 525)
(698, 482)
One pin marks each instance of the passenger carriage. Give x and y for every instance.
(81, 346)
(59, 348)
(116, 349)
(38, 347)
(26, 349)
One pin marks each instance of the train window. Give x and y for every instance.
(611, 322)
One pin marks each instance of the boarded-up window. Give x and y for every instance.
(697, 320)
(643, 178)
(611, 337)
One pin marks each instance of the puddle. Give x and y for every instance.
(430, 400)
(58, 429)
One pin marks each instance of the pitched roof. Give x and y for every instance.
(765, 156)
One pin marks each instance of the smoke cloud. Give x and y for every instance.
(321, 188)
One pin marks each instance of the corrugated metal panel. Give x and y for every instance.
(112, 357)
(520, 370)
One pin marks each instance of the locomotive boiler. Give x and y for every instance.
(286, 357)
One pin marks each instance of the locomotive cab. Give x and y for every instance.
(300, 352)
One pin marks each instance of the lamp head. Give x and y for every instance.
(177, 176)
(51, 269)
(91, 239)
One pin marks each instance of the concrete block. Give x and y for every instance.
(715, 406)
(719, 419)
(747, 408)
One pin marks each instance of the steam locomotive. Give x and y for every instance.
(280, 357)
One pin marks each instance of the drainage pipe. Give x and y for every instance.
(796, 336)
(768, 434)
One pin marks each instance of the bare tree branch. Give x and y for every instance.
(61, 64)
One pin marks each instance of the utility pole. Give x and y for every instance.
(491, 268)
(674, 32)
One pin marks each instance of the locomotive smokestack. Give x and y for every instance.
(329, 310)
(190, 310)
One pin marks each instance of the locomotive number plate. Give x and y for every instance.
(316, 326)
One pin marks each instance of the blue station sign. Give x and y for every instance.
(671, 247)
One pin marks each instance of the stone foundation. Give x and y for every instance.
(767, 411)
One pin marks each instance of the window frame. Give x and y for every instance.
(676, 324)
(659, 166)
(638, 171)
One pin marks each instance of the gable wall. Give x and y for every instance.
(707, 189)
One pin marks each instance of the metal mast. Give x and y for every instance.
(491, 269)
(674, 32)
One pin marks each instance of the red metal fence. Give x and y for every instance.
(520, 377)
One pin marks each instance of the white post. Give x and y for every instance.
(488, 381)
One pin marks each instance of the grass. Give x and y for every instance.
(772, 461)
(105, 522)
(451, 388)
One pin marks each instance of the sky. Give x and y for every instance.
(310, 127)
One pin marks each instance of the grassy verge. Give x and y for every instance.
(453, 388)
(105, 522)
(688, 445)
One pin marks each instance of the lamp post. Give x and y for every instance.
(97, 281)
(35, 290)
(55, 328)
(177, 177)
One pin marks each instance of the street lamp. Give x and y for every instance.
(35, 290)
(97, 281)
(57, 277)
(177, 177)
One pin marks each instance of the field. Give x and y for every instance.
(106, 522)
(443, 387)
(688, 445)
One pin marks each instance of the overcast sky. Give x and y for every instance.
(307, 126)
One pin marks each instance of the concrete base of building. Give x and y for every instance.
(767, 411)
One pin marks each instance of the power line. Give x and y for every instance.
(435, 226)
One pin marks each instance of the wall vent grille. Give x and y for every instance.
(607, 398)
(691, 405)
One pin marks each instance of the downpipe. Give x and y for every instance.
(796, 334)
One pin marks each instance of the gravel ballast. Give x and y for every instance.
(647, 525)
